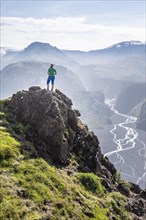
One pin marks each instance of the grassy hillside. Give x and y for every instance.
(31, 189)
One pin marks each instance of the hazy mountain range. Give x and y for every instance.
(132, 101)
(81, 75)
(130, 97)
(140, 112)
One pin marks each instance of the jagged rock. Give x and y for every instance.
(47, 116)
(143, 194)
(137, 207)
(54, 127)
(135, 188)
(34, 88)
(107, 185)
(106, 163)
(122, 188)
(86, 145)
(56, 132)
(77, 112)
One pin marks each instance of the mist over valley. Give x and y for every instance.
(106, 86)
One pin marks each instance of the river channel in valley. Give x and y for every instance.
(125, 146)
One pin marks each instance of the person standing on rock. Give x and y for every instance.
(51, 77)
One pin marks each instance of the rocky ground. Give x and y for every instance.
(45, 126)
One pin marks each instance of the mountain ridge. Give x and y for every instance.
(42, 45)
(58, 168)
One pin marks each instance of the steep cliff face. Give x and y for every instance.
(134, 93)
(141, 123)
(55, 128)
(140, 112)
(42, 172)
(46, 116)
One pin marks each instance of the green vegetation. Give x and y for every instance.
(118, 176)
(31, 189)
(119, 180)
(9, 148)
(116, 205)
(91, 183)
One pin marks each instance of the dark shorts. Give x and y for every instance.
(50, 78)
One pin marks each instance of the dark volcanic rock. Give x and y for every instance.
(122, 188)
(56, 131)
(137, 207)
(47, 116)
(135, 188)
(54, 127)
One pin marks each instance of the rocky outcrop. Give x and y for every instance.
(56, 132)
(47, 117)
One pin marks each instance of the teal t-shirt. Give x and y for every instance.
(51, 72)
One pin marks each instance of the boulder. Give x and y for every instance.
(48, 116)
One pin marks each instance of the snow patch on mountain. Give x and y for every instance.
(126, 44)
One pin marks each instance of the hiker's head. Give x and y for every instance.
(52, 65)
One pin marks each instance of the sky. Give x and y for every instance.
(73, 25)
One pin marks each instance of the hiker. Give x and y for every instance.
(51, 72)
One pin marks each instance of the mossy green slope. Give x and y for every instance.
(31, 189)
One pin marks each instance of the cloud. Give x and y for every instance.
(65, 33)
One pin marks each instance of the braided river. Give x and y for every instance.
(125, 146)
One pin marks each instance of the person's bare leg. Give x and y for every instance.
(47, 86)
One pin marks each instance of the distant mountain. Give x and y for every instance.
(125, 60)
(140, 112)
(111, 69)
(122, 49)
(42, 52)
(7, 54)
(24, 74)
(80, 74)
(130, 97)
(112, 78)
(20, 75)
(141, 122)
(93, 110)
(109, 54)
(127, 44)
(5, 50)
